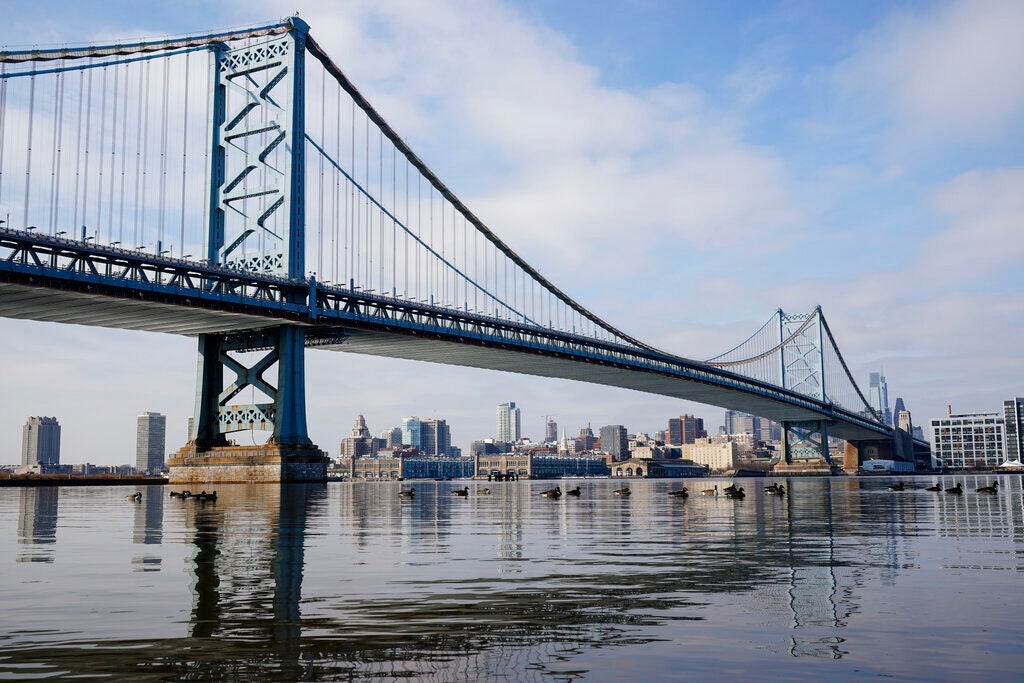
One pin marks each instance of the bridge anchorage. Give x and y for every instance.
(273, 209)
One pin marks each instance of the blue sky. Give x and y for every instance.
(683, 169)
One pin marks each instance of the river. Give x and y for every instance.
(840, 579)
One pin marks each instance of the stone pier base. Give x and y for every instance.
(804, 467)
(247, 464)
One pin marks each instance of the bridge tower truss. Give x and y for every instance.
(802, 369)
(256, 223)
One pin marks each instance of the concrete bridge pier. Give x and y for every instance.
(804, 448)
(289, 455)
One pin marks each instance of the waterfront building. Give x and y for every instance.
(658, 469)
(150, 442)
(539, 466)
(615, 441)
(878, 396)
(437, 467)
(968, 440)
(508, 426)
(550, 431)
(1013, 421)
(359, 443)
(383, 465)
(40, 441)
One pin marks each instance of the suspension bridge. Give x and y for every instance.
(236, 187)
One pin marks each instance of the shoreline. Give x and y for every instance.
(80, 480)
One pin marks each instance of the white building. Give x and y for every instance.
(508, 423)
(717, 456)
(967, 440)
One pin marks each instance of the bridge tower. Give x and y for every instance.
(256, 222)
(802, 369)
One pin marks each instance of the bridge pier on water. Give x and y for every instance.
(269, 76)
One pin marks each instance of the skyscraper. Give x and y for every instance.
(550, 431)
(1013, 423)
(150, 440)
(878, 396)
(508, 428)
(435, 437)
(615, 441)
(40, 441)
(685, 429)
(412, 430)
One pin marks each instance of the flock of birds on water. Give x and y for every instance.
(731, 491)
(183, 495)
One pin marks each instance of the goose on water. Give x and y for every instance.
(408, 493)
(622, 492)
(736, 493)
(575, 492)
(776, 490)
(956, 490)
(937, 487)
(484, 492)
(989, 489)
(711, 492)
(134, 497)
(461, 492)
(552, 493)
(681, 493)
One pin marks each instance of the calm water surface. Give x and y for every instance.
(840, 580)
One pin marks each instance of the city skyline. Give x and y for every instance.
(814, 134)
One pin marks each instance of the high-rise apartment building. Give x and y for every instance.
(40, 441)
(508, 423)
(878, 396)
(968, 440)
(435, 438)
(150, 441)
(615, 441)
(1013, 420)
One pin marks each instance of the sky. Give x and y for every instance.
(683, 169)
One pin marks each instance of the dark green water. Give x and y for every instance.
(841, 580)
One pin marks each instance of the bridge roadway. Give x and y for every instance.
(58, 280)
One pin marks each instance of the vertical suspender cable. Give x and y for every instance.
(55, 158)
(145, 150)
(3, 125)
(394, 228)
(124, 154)
(380, 212)
(103, 140)
(323, 141)
(85, 163)
(337, 187)
(113, 158)
(138, 161)
(28, 159)
(161, 219)
(207, 140)
(78, 148)
(184, 158)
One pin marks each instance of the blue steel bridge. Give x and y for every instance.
(236, 187)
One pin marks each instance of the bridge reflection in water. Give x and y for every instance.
(310, 581)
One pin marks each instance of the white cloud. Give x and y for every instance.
(946, 74)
